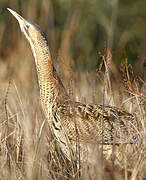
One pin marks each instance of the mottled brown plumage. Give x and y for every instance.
(74, 123)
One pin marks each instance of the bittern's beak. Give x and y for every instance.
(22, 22)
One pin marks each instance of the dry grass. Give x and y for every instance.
(28, 151)
(27, 148)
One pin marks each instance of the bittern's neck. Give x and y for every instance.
(52, 91)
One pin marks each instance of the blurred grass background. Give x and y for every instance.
(77, 30)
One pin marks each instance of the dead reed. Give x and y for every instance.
(27, 149)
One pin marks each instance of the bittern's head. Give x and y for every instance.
(33, 33)
(31, 30)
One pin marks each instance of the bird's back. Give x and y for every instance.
(87, 124)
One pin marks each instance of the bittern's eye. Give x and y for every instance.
(26, 29)
(27, 26)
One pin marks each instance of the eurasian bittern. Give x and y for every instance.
(72, 122)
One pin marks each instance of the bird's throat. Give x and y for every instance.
(51, 87)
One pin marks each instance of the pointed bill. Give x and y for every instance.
(20, 19)
(16, 15)
(22, 22)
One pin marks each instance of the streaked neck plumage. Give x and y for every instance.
(52, 91)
